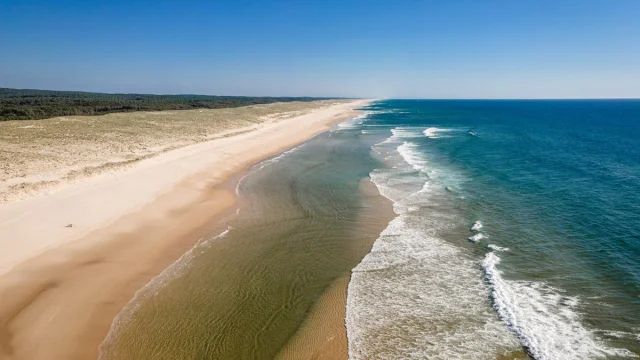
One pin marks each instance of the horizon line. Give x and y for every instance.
(331, 97)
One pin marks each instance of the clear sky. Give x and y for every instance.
(401, 48)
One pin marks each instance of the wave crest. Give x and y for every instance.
(546, 321)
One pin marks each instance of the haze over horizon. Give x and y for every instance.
(463, 49)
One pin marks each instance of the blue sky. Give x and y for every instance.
(418, 49)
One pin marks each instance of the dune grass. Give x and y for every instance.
(36, 155)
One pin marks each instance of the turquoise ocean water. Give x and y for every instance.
(553, 263)
(550, 270)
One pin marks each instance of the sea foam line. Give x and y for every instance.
(353, 123)
(415, 295)
(412, 156)
(546, 321)
(434, 132)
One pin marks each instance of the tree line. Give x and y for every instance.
(26, 104)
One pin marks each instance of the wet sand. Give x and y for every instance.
(59, 302)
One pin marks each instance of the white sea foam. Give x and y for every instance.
(477, 237)
(476, 226)
(348, 125)
(353, 123)
(416, 295)
(434, 132)
(399, 133)
(412, 156)
(620, 334)
(381, 111)
(368, 132)
(546, 320)
(498, 248)
(240, 182)
(405, 133)
(152, 288)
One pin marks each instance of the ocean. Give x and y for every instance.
(553, 262)
(514, 233)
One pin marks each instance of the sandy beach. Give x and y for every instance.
(72, 257)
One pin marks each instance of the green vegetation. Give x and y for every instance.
(24, 104)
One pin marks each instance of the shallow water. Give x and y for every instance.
(304, 221)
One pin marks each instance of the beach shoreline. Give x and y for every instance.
(323, 335)
(65, 288)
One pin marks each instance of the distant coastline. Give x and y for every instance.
(31, 104)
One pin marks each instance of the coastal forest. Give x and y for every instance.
(25, 104)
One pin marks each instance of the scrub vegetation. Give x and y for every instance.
(24, 104)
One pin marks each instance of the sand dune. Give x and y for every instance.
(43, 155)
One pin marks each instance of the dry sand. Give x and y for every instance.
(62, 286)
(42, 155)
